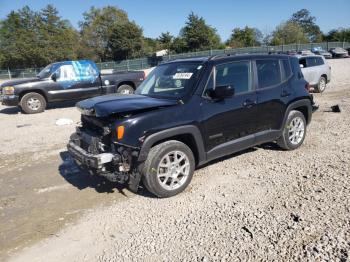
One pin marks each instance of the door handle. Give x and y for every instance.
(249, 103)
(285, 93)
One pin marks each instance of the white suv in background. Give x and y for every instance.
(316, 71)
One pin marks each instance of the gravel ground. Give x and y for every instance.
(260, 204)
(21, 133)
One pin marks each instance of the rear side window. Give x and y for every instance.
(314, 61)
(319, 61)
(236, 74)
(311, 61)
(286, 69)
(295, 63)
(269, 73)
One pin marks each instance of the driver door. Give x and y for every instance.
(230, 123)
(76, 80)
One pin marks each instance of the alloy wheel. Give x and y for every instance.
(173, 170)
(296, 130)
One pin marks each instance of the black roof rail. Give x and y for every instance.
(221, 56)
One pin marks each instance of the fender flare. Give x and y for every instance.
(181, 130)
(303, 102)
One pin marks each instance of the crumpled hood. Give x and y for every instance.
(103, 106)
(20, 81)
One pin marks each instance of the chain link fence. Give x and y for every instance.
(143, 63)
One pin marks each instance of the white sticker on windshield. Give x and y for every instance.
(182, 76)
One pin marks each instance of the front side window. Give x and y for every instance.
(269, 73)
(235, 74)
(302, 62)
(173, 80)
(66, 73)
(47, 71)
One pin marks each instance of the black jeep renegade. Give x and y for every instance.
(189, 112)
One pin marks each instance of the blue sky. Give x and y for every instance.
(156, 16)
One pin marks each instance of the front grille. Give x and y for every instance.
(94, 135)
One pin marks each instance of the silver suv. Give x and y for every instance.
(316, 71)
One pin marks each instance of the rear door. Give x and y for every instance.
(234, 117)
(308, 68)
(273, 92)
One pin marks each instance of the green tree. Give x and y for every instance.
(288, 33)
(247, 36)
(58, 40)
(307, 22)
(179, 45)
(34, 39)
(125, 41)
(165, 39)
(198, 35)
(151, 45)
(97, 27)
(19, 39)
(338, 35)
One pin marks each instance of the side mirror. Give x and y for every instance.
(222, 92)
(54, 77)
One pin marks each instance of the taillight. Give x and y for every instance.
(307, 87)
(143, 76)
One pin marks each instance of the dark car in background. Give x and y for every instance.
(338, 52)
(320, 51)
(68, 80)
(188, 113)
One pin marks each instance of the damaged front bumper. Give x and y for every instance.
(117, 166)
(89, 160)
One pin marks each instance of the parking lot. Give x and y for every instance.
(262, 203)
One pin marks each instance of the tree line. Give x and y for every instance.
(36, 38)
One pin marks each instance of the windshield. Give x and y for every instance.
(47, 71)
(174, 80)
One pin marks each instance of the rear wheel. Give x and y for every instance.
(168, 169)
(125, 89)
(322, 84)
(32, 103)
(294, 131)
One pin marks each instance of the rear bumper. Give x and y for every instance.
(9, 100)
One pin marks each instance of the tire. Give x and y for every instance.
(321, 86)
(161, 161)
(125, 89)
(287, 141)
(33, 103)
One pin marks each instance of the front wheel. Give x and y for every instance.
(125, 89)
(32, 103)
(294, 131)
(168, 169)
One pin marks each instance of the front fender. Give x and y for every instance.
(171, 132)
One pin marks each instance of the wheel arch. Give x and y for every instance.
(325, 76)
(189, 135)
(127, 82)
(39, 91)
(304, 106)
